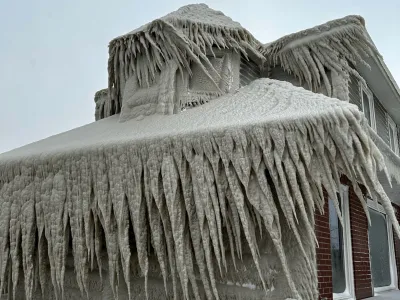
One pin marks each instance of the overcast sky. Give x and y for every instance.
(53, 54)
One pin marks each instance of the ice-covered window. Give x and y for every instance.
(200, 81)
(367, 101)
(392, 128)
(210, 79)
(341, 256)
(381, 249)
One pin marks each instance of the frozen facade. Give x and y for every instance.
(208, 169)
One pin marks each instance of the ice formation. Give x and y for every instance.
(197, 189)
(242, 164)
(311, 53)
(100, 98)
(183, 36)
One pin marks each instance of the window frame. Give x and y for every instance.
(395, 141)
(364, 89)
(392, 258)
(349, 293)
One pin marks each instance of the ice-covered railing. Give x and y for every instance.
(392, 160)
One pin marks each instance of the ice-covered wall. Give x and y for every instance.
(100, 98)
(173, 90)
(191, 194)
(239, 281)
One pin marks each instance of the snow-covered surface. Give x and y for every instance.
(200, 186)
(196, 14)
(265, 101)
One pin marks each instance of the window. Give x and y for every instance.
(200, 81)
(392, 129)
(367, 101)
(381, 248)
(341, 255)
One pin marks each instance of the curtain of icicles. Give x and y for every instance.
(144, 53)
(311, 53)
(182, 197)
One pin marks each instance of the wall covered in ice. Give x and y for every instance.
(190, 195)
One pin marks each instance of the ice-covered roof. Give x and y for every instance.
(310, 53)
(185, 35)
(352, 22)
(262, 102)
(192, 14)
(246, 162)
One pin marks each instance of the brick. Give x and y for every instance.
(360, 248)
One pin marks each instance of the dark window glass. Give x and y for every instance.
(392, 137)
(379, 249)
(367, 108)
(337, 251)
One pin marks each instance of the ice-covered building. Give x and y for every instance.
(218, 168)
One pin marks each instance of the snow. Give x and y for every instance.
(187, 183)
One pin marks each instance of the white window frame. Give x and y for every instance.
(392, 258)
(392, 139)
(364, 89)
(349, 293)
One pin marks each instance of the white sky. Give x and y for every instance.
(54, 54)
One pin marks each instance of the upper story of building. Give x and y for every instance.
(196, 54)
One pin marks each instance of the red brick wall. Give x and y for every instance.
(359, 238)
(360, 249)
(397, 244)
(324, 265)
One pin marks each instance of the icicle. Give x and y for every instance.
(28, 237)
(268, 210)
(15, 231)
(118, 169)
(5, 215)
(172, 195)
(187, 188)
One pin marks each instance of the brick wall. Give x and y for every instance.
(359, 235)
(324, 265)
(360, 249)
(397, 244)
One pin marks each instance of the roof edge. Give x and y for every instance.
(316, 32)
(336, 46)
